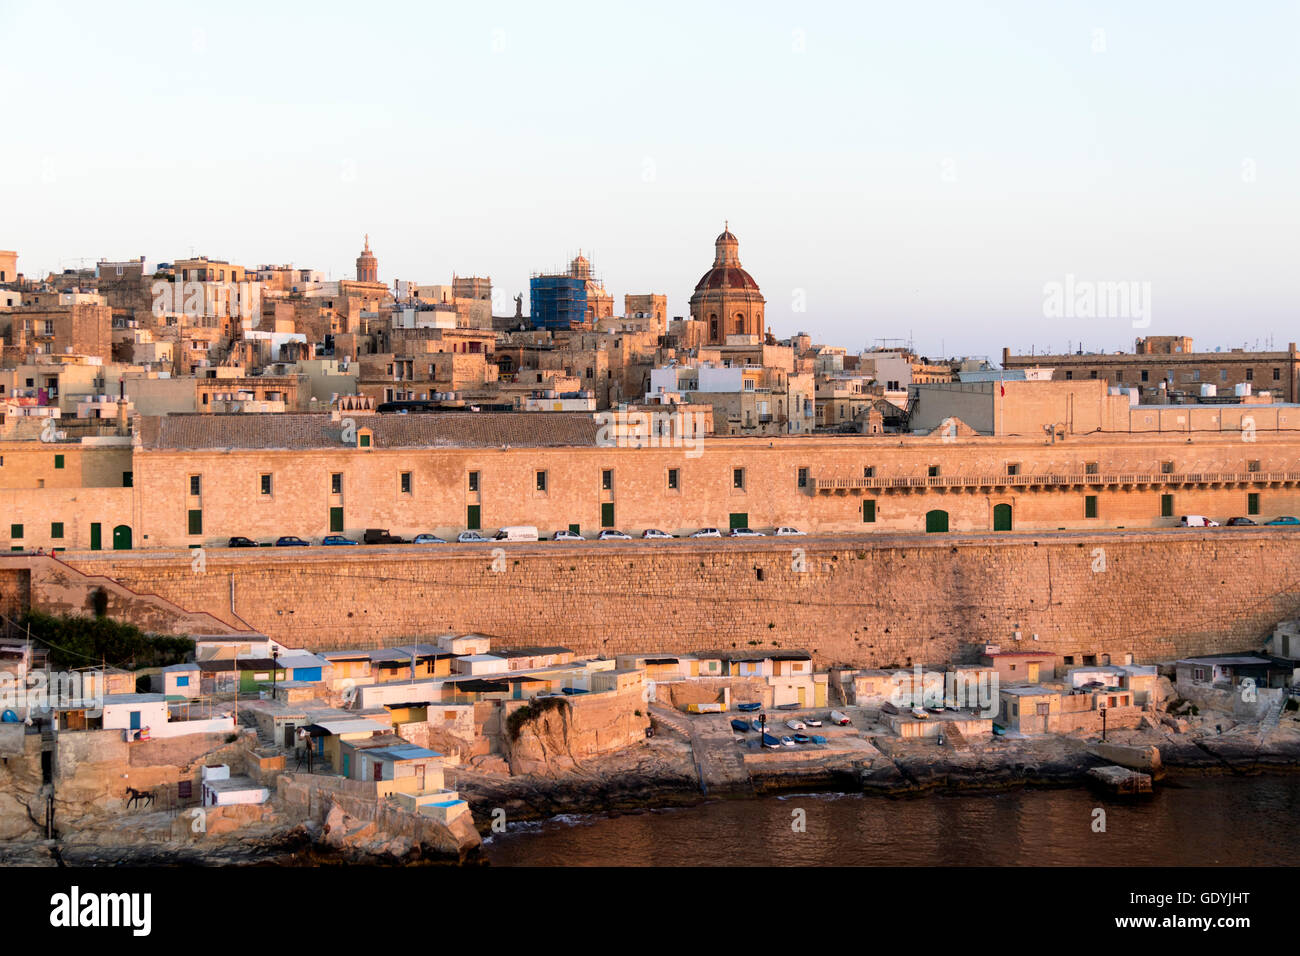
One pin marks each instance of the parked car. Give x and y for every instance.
(1284, 519)
(655, 533)
(787, 531)
(520, 532)
(381, 536)
(707, 533)
(745, 533)
(336, 539)
(838, 717)
(290, 541)
(609, 534)
(428, 539)
(467, 536)
(1239, 522)
(794, 724)
(1196, 521)
(239, 541)
(567, 536)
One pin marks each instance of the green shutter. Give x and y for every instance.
(56, 529)
(1166, 506)
(58, 461)
(196, 521)
(336, 520)
(472, 517)
(607, 514)
(869, 510)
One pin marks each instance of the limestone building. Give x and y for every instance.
(727, 299)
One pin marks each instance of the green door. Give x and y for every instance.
(471, 517)
(96, 537)
(336, 520)
(122, 538)
(936, 521)
(576, 529)
(607, 514)
(1001, 517)
(739, 519)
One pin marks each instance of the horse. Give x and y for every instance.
(138, 796)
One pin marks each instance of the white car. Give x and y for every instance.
(656, 533)
(467, 536)
(746, 533)
(795, 724)
(567, 536)
(786, 531)
(609, 534)
(707, 533)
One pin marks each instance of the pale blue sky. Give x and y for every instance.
(916, 169)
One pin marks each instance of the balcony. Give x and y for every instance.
(1109, 480)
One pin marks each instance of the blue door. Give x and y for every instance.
(135, 720)
(347, 762)
(306, 673)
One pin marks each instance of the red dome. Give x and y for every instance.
(733, 276)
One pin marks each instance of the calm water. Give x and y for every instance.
(1195, 821)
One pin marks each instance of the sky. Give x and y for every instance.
(919, 171)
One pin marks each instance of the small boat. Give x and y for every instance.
(802, 739)
(756, 726)
(757, 705)
(787, 741)
(787, 706)
(741, 725)
(813, 721)
(795, 724)
(888, 708)
(818, 739)
(838, 717)
(919, 713)
(772, 742)
(999, 731)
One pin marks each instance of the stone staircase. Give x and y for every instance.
(1273, 716)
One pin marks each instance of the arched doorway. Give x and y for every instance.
(122, 538)
(1002, 517)
(936, 521)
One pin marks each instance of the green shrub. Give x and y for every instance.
(81, 641)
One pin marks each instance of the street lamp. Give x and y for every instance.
(275, 657)
(1103, 722)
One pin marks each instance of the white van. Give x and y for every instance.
(521, 532)
(1196, 521)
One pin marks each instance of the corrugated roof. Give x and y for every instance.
(178, 432)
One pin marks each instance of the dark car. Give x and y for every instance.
(239, 541)
(1239, 522)
(381, 536)
(290, 541)
(336, 539)
(1284, 519)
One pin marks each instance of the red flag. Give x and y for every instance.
(1003, 387)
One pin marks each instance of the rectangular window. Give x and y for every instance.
(196, 483)
(541, 481)
(1252, 503)
(336, 483)
(1013, 469)
(16, 531)
(672, 479)
(406, 482)
(1250, 375)
(473, 481)
(58, 461)
(933, 471)
(128, 479)
(1252, 466)
(1146, 375)
(363, 440)
(802, 481)
(56, 529)
(1166, 467)
(738, 478)
(1091, 468)
(336, 520)
(1277, 375)
(869, 471)
(607, 480)
(1090, 506)
(1069, 376)
(196, 521)
(1166, 506)
(266, 484)
(869, 510)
